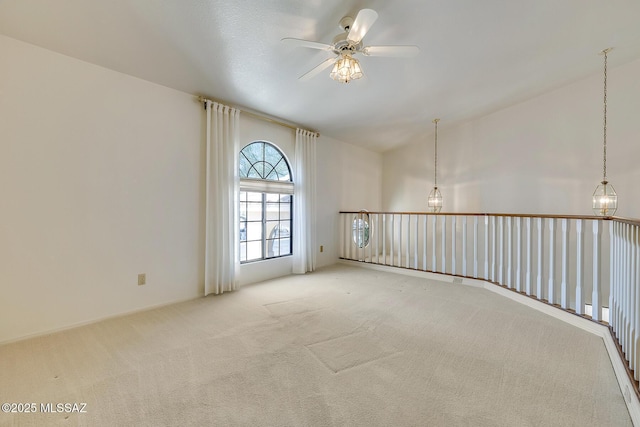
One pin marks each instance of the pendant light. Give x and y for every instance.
(605, 199)
(435, 198)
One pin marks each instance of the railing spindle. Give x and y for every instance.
(636, 303)
(579, 268)
(399, 257)
(393, 238)
(493, 248)
(564, 298)
(464, 245)
(453, 245)
(552, 261)
(415, 245)
(518, 254)
(443, 237)
(632, 297)
(626, 297)
(371, 234)
(509, 281)
(501, 256)
(377, 239)
(486, 247)
(529, 255)
(539, 278)
(360, 229)
(434, 267)
(384, 239)
(475, 246)
(424, 243)
(595, 293)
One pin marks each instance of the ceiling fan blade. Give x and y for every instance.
(392, 51)
(317, 70)
(364, 21)
(306, 43)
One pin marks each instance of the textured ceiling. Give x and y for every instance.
(476, 56)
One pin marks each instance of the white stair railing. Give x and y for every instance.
(589, 266)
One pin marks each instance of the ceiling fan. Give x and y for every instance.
(348, 44)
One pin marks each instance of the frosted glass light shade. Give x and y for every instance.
(605, 200)
(435, 200)
(346, 69)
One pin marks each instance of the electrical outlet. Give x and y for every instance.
(321, 248)
(142, 279)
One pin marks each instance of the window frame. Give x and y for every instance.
(265, 187)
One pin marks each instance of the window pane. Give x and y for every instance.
(285, 228)
(254, 151)
(273, 211)
(245, 165)
(273, 175)
(285, 246)
(285, 211)
(271, 154)
(254, 231)
(272, 229)
(243, 196)
(254, 250)
(273, 197)
(254, 173)
(252, 196)
(243, 252)
(254, 211)
(273, 248)
(283, 171)
(281, 243)
(243, 231)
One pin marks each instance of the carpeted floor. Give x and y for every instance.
(343, 346)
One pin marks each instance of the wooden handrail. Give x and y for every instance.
(629, 221)
(559, 216)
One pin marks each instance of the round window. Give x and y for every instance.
(361, 230)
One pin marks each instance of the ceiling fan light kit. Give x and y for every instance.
(346, 69)
(349, 43)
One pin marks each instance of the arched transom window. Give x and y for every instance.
(262, 160)
(266, 199)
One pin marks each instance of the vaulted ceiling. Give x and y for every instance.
(475, 56)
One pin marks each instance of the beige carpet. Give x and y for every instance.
(344, 346)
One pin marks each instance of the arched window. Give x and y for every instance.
(266, 200)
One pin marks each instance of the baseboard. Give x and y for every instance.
(626, 387)
(92, 321)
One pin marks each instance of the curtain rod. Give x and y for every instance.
(258, 116)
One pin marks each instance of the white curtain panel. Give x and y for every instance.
(304, 203)
(222, 263)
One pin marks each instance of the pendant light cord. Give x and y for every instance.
(435, 173)
(604, 145)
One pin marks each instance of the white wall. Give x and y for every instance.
(100, 179)
(540, 156)
(349, 178)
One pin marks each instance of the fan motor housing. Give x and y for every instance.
(342, 45)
